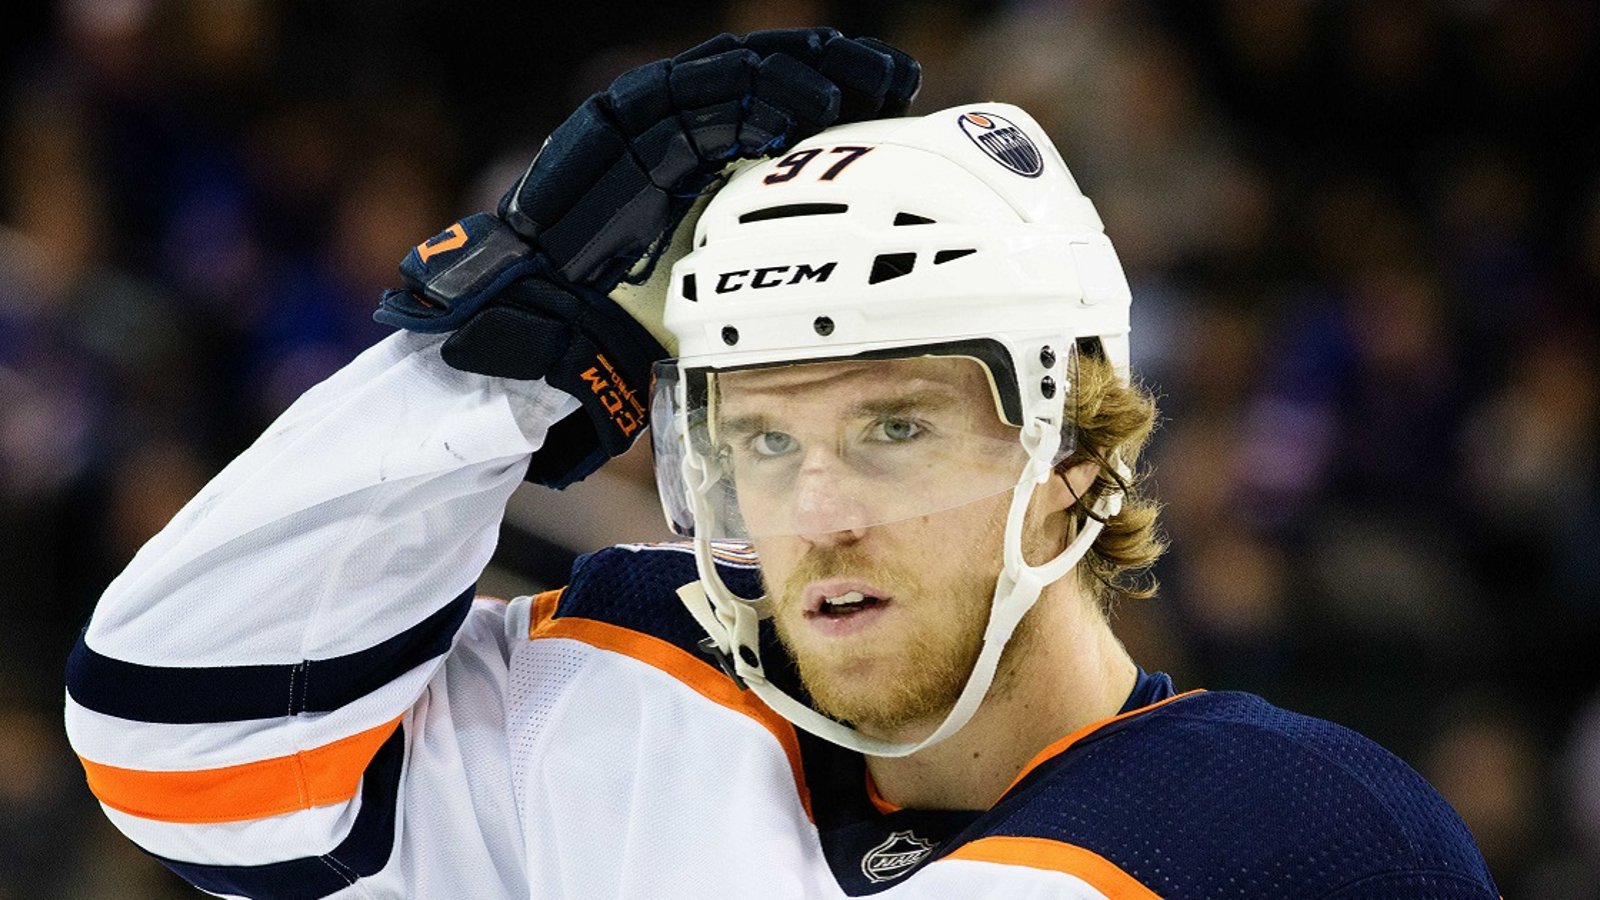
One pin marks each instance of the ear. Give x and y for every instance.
(1047, 511)
(1063, 489)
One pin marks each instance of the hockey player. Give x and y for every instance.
(892, 411)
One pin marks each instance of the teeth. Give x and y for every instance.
(849, 599)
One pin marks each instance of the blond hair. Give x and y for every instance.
(1115, 419)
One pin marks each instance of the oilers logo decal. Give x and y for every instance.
(894, 857)
(1004, 142)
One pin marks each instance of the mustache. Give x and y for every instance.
(828, 562)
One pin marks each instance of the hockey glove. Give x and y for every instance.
(532, 291)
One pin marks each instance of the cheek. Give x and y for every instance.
(955, 549)
(779, 557)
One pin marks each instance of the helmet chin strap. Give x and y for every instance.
(734, 623)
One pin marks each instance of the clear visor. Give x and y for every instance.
(823, 447)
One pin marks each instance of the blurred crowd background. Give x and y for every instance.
(1364, 241)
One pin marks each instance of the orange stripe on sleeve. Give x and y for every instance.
(316, 777)
(1043, 853)
(697, 674)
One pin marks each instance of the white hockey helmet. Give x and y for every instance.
(958, 234)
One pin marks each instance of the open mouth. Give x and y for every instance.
(838, 599)
(848, 604)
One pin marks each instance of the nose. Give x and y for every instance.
(828, 511)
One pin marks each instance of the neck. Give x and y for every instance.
(1071, 673)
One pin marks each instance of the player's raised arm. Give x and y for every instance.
(279, 696)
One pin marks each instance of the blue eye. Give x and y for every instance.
(772, 443)
(897, 431)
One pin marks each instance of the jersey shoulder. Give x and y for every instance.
(1224, 794)
(634, 586)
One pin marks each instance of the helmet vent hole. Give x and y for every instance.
(944, 256)
(791, 210)
(689, 292)
(891, 265)
(906, 218)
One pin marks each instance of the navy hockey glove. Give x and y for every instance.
(532, 291)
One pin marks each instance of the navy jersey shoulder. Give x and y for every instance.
(1222, 794)
(635, 586)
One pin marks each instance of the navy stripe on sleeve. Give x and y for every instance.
(186, 696)
(363, 852)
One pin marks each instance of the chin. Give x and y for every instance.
(882, 717)
(834, 671)
(880, 696)
(881, 684)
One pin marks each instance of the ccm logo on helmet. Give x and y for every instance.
(773, 276)
(1005, 143)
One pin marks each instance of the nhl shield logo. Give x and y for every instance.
(1004, 142)
(894, 857)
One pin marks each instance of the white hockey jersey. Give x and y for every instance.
(292, 692)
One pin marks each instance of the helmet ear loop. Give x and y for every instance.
(1087, 510)
(1116, 473)
(1084, 504)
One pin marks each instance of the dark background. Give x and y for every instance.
(1364, 240)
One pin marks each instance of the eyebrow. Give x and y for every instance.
(927, 400)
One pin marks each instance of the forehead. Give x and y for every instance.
(959, 379)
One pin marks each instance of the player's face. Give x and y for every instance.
(883, 615)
